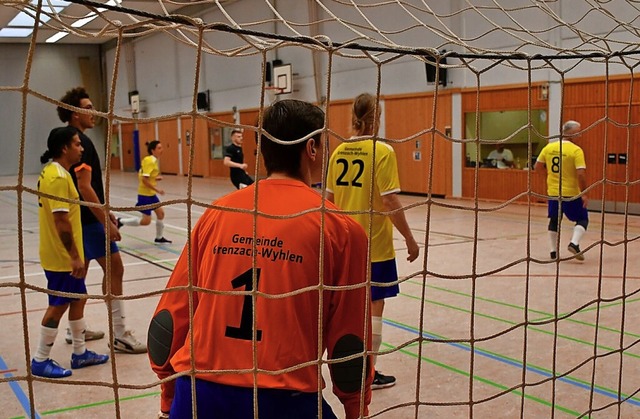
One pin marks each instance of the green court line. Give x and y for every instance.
(533, 328)
(546, 314)
(486, 381)
(95, 404)
(602, 306)
(517, 361)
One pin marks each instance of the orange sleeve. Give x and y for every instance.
(349, 316)
(82, 166)
(176, 302)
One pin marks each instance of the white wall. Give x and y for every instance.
(54, 70)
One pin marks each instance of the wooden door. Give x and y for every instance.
(168, 136)
(249, 145)
(424, 160)
(128, 164)
(146, 134)
(611, 152)
(196, 136)
(339, 122)
(114, 154)
(607, 111)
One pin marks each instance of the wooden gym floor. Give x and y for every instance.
(481, 287)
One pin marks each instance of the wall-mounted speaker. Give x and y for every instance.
(431, 68)
(203, 101)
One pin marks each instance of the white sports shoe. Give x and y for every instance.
(129, 344)
(88, 335)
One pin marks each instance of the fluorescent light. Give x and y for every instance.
(81, 22)
(56, 37)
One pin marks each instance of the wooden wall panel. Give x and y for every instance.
(168, 136)
(128, 164)
(611, 129)
(216, 167)
(249, 145)
(503, 98)
(424, 162)
(114, 157)
(198, 138)
(339, 122)
(146, 133)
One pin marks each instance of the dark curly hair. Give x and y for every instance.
(73, 98)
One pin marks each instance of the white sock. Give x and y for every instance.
(117, 313)
(78, 328)
(376, 333)
(159, 228)
(47, 338)
(553, 240)
(578, 232)
(131, 221)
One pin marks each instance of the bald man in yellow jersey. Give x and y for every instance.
(566, 178)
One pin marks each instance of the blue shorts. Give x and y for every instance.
(93, 241)
(386, 273)
(63, 282)
(221, 401)
(572, 209)
(147, 200)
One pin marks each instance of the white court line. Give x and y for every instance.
(93, 268)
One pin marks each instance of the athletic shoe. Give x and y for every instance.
(48, 369)
(382, 381)
(87, 359)
(575, 249)
(162, 240)
(129, 344)
(553, 255)
(88, 335)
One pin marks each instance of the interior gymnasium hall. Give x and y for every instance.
(487, 324)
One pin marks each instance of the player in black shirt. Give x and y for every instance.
(234, 160)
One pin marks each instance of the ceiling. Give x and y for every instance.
(70, 12)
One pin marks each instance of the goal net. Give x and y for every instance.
(562, 340)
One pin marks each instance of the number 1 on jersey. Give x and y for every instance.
(245, 331)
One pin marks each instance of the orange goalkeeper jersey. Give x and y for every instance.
(288, 258)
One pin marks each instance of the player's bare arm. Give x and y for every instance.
(582, 182)
(63, 227)
(227, 162)
(147, 183)
(391, 203)
(539, 167)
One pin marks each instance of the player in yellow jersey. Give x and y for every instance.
(272, 238)
(350, 185)
(61, 255)
(566, 178)
(148, 177)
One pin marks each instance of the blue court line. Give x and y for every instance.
(566, 380)
(17, 390)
